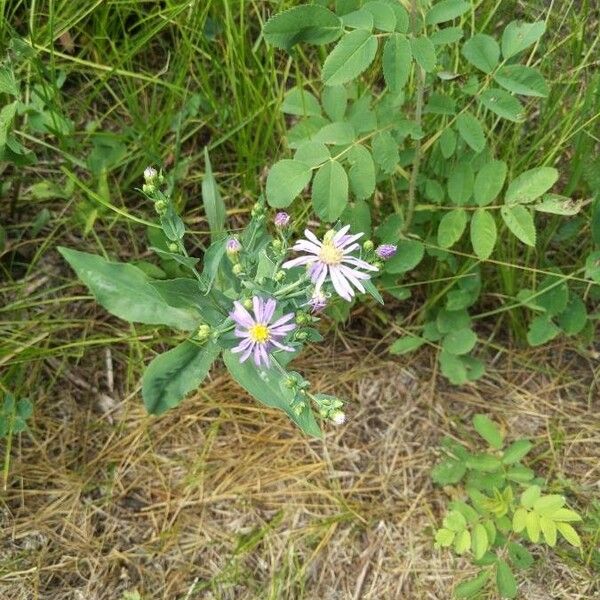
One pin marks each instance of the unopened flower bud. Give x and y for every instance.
(247, 303)
(281, 220)
(257, 210)
(301, 336)
(386, 251)
(233, 247)
(150, 174)
(203, 333)
(368, 246)
(301, 318)
(291, 382)
(337, 417)
(160, 206)
(279, 276)
(173, 247)
(237, 269)
(148, 188)
(298, 408)
(277, 245)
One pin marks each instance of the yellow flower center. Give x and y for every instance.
(259, 333)
(330, 255)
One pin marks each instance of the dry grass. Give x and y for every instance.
(223, 499)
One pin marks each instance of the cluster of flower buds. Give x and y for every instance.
(152, 179)
(281, 220)
(330, 408)
(203, 333)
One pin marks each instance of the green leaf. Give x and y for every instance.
(444, 538)
(462, 541)
(548, 528)
(402, 18)
(267, 386)
(574, 317)
(532, 524)
(359, 19)
(558, 205)
(520, 222)
(518, 36)
(308, 23)
(447, 142)
(214, 207)
(451, 228)
(516, 451)
(547, 505)
(520, 474)
(519, 520)
(503, 104)
(488, 430)
(483, 462)
(489, 182)
(479, 541)
(541, 331)
(174, 374)
(409, 254)
(358, 216)
(461, 183)
(335, 101)
(362, 172)
(482, 51)
(424, 53)
(337, 134)
(556, 297)
(565, 514)
(125, 291)
(406, 344)
(519, 555)
(483, 233)
(385, 151)
(569, 534)
(531, 185)
(312, 154)
(330, 191)
(459, 342)
(505, 580)
(384, 17)
(8, 83)
(469, 588)
(448, 35)
(446, 10)
(350, 57)
(522, 80)
(301, 102)
(286, 179)
(397, 59)
(448, 472)
(453, 368)
(530, 495)
(471, 131)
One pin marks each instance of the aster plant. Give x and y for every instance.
(255, 302)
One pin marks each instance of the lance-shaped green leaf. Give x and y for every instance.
(350, 57)
(309, 23)
(446, 10)
(268, 387)
(505, 580)
(362, 172)
(171, 376)
(423, 51)
(125, 291)
(523, 80)
(488, 430)
(214, 207)
(384, 17)
(469, 588)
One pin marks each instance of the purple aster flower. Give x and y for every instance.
(281, 220)
(259, 336)
(386, 251)
(333, 258)
(233, 246)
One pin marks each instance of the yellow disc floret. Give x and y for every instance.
(259, 333)
(330, 255)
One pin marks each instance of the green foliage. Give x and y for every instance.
(498, 504)
(429, 140)
(14, 415)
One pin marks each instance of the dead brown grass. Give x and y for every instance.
(223, 499)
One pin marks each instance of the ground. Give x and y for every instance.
(222, 499)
